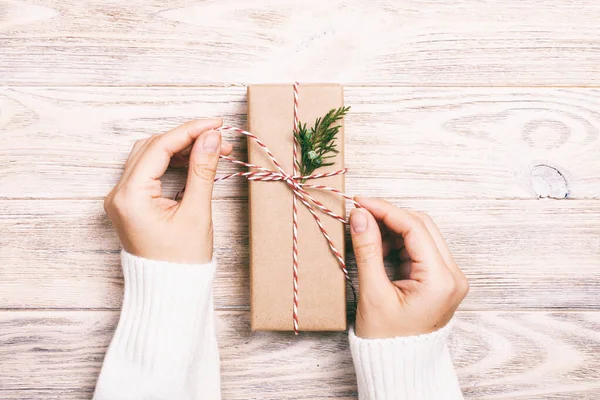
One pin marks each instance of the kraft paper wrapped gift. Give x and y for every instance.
(322, 287)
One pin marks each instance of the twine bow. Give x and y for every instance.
(298, 185)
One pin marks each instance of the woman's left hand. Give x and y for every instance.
(158, 228)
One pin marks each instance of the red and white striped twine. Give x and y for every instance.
(295, 214)
(295, 183)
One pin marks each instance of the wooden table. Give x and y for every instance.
(485, 114)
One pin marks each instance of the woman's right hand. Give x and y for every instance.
(430, 286)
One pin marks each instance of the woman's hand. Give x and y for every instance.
(430, 285)
(158, 228)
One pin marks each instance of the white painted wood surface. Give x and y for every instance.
(491, 143)
(497, 355)
(469, 110)
(517, 254)
(224, 42)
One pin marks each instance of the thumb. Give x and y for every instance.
(366, 240)
(202, 170)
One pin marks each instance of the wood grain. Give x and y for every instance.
(401, 142)
(516, 254)
(497, 355)
(141, 42)
(470, 110)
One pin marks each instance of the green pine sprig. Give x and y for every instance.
(317, 144)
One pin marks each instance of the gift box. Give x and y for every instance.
(321, 282)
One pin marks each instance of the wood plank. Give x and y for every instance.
(516, 254)
(401, 142)
(141, 42)
(497, 355)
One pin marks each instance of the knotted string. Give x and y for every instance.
(298, 186)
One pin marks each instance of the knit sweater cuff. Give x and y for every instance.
(411, 368)
(166, 334)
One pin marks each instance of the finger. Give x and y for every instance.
(133, 159)
(139, 144)
(182, 159)
(439, 240)
(366, 240)
(418, 242)
(403, 255)
(202, 170)
(226, 148)
(154, 161)
(402, 272)
(460, 279)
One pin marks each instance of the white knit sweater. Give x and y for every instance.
(165, 345)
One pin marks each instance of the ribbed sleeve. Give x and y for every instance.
(407, 368)
(165, 344)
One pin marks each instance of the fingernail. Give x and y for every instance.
(211, 142)
(358, 220)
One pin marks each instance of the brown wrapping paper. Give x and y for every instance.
(322, 305)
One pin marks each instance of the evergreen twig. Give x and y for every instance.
(317, 144)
